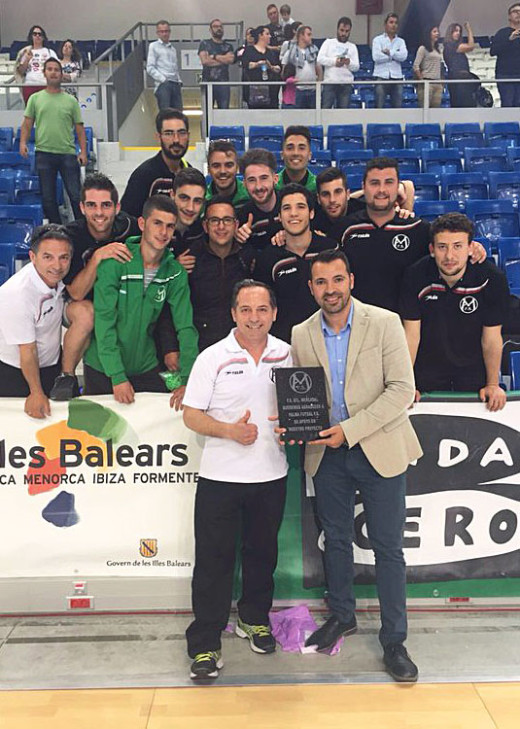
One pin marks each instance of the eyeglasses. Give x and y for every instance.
(170, 134)
(226, 220)
(37, 32)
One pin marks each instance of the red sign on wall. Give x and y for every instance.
(369, 7)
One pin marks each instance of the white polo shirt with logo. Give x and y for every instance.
(30, 311)
(225, 382)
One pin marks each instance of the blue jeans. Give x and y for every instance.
(509, 94)
(169, 95)
(337, 95)
(305, 99)
(221, 96)
(394, 90)
(48, 165)
(343, 471)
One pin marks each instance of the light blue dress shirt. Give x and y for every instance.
(385, 66)
(161, 64)
(337, 351)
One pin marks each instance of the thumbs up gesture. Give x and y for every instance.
(244, 232)
(243, 431)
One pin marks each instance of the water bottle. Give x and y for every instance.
(263, 68)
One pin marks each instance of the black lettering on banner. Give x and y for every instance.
(502, 527)
(457, 519)
(412, 526)
(70, 453)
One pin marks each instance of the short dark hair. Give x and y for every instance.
(257, 32)
(52, 60)
(162, 22)
(514, 5)
(170, 113)
(189, 176)
(51, 231)
(163, 203)
(391, 15)
(453, 223)
(99, 181)
(285, 8)
(219, 200)
(249, 283)
(29, 34)
(344, 21)
(329, 175)
(271, 5)
(222, 145)
(293, 189)
(258, 156)
(297, 130)
(328, 256)
(381, 163)
(301, 30)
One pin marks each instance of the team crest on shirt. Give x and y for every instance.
(468, 304)
(400, 242)
(160, 294)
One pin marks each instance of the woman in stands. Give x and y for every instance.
(239, 55)
(428, 66)
(261, 66)
(455, 58)
(30, 60)
(71, 63)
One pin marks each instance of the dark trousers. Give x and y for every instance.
(305, 99)
(48, 165)
(14, 384)
(336, 95)
(395, 91)
(97, 383)
(222, 512)
(509, 94)
(343, 471)
(221, 96)
(462, 96)
(169, 95)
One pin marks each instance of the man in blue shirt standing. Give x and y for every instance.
(388, 52)
(162, 66)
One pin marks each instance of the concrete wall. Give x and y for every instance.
(484, 17)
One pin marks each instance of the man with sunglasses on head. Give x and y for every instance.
(155, 176)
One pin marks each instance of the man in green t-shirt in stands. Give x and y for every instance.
(56, 115)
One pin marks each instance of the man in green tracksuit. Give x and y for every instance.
(128, 298)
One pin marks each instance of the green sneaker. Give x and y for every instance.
(260, 637)
(206, 665)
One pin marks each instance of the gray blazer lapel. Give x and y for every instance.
(357, 335)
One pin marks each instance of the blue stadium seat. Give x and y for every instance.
(513, 158)
(462, 135)
(89, 134)
(464, 186)
(17, 223)
(384, 136)
(502, 134)
(7, 261)
(268, 136)
(6, 139)
(14, 161)
(431, 209)
(494, 219)
(487, 245)
(355, 181)
(347, 136)
(426, 186)
(234, 134)
(423, 136)
(512, 269)
(316, 131)
(7, 187)
(16, 140)
(508, 250)
(505, 185)
(408, 159)
(352, 160)
(320, 160)
(514, 362)
(441, 161)
(483, 161)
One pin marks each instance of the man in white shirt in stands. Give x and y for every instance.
(162, 66)
(31, 310)
(340, 60)
(388, 52)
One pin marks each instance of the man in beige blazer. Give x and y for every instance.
(368, 448)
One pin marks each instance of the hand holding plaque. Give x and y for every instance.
(302, 402)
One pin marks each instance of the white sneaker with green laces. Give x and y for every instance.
(260, 637)
(206, 665)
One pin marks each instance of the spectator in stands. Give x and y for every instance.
(56, 116)
(100, 234)
(250, 41)
(71, 63)
(122, 356)
(259, 218)
(30, 61)
(286, 268)
(428, 66)
(229, 400)
(289, 87)
(285, 16)
(262, 65)
(289, 33)
(31, 309)
(156, 175)
(223, 168)
(453, 315)
(296, 155)
(275, 29)
(340, 60)
(456, 60)
(505, 45)
(216, 55)
(303, 55)
(162, 66)
(388, 53)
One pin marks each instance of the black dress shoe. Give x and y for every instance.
(399, 664)
(332, 629)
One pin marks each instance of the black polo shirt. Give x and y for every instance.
(334, 228)
(379, 255)
(264, 225)
(152, 177)
(450, 351)
(183, 239)
(288, 274)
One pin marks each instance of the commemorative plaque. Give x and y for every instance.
(302, 402)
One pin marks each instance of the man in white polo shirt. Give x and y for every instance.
(31, 309)
(229, 399)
